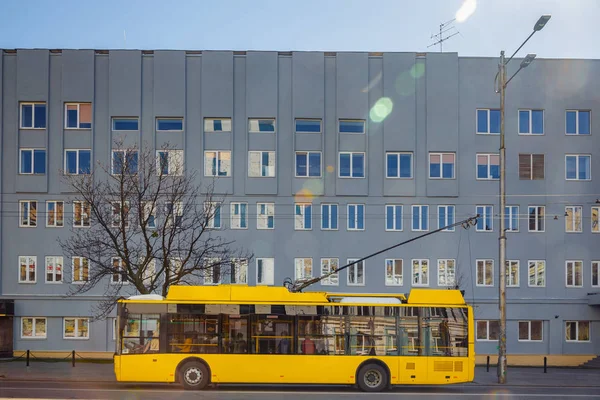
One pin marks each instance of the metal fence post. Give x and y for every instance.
(73, 358)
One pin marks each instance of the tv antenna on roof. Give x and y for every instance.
(447, 30)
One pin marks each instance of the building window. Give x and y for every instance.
(118, 275)
(537, 273)
(446, 217)
(174, 213)
(28, 213)
(169, 124)
(76, 328)
(329, 265)
(446, 272)
(148, 215)
(595, 218)
(120, 210)
(420, 272)
(308, 164)
(531, 122)
(78, 115)
(308, 126)
(488, 330)
(577, 331)
(488, 121)
(212, 210)
(329, 217)
(125, 124)
(54, 269)
(578, 122)
(531, 331)
(488, 166)
(441, 165)
(238, 273)
(27, 269)
(169, 162)
(261, 164)
(356, 272)
(356, 217)
(302, 216)
(262, 125)
(485, 222)
(511, 218)
(420, 218)
(537, 218)
(33, 115)
(78, 161)
(124, 162)
(352, 126)
(265, 218)
(574, 271)
(531, 167)
(265, 271)
(217, 125)
(81, 269)
(212, 271)
(393, 217)
(303, 268)
(398, 165)
(595, 273)
(393, 272)
(149, 271)
(81, 214)
(485, 272)
(352, 165)
(33, 161)
(239, 215)
(217, 163)
(33, 328)
(578, 167)
(512, 273)
(573, 219)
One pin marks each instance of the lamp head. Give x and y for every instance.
(527, 60)
(539, 25)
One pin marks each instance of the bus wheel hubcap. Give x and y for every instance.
(193, 375)
(373, 378)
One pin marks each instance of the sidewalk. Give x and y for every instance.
(103, 372)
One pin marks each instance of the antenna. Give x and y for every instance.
(445, 28)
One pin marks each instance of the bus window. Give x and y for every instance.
(235, 334)
(373, 336)
(272, 334)
(141, 334)
(408, 331)
(321, 335)
(189, 333)
(445, 332)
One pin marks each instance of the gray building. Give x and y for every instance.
(326, 157)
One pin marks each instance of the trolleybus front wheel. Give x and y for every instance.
(372, 378)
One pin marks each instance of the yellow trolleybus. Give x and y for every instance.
(238, 334)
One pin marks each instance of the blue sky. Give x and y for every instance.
(320, 25)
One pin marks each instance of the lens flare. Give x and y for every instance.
(304, 195)
(417, 70)
(381, 109)
(466, 10)
(330, 169)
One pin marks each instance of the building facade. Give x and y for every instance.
(326, 158)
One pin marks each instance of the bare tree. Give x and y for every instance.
(142, 224)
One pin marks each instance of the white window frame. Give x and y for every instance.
(572, 264)
(269, 212)
(577, 122)
(78, 151)
(30, 223)
(218, 153)
(538, 215)
(238, 271)
(356, 228)
(484, 215)
(81, 268)
(269, 168)
(573, 219)
(446, 220)
(56, 224)
(236, 219)
(508, 212)
(54, 260)
(420, 263)
(268, 270)
(209, 272)
(394, 209)
(595, 225)
(397, 154)
(308, 153)
(149, 272)
(126, 153)
(536, 270)
(595, 266)
(529, 323)
(115, 208)
(33, 328)
(300, 268)
(577, 167)
(113, 119)
(531, 165)
(319, 120)
(488, 121)
(300, 220)
(83, 223)
(487, 330)
(355, 268)
(169, 118)
(176, 211)
(28, 260)
(119, 275)
(419, 207)
(364, 123)
(78, 115)
(483, 262)
(32, 104)
(250, 130)
(149, 210)
(32, 150)
(214, 205)
(394, 279)
(489, 166)
(509, 267)
(351, 153)
(441, 155)
(326, 267)
(530, 112)
(577, 331)
(76, 328)
(225, 122)
(449, 272)
(330, 219)
(175, 162)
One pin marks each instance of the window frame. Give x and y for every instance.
(395, 279)
(126, 153)
(355, 268)
(536, 273)
(394, 208)
(489, 166)
(530, 112)
(330, 219)
(529, 325)
(29, 223)
(595, 265)
(115, 209)
(308, 153)
(398, 155)
(356, 219)
(484, 262)
(351, 154)
(305, 221)
(420, 282)
(589, 339)
(266, 216)
(441, 164)
(217, 214)
(76, 328)
(412, 218)
(157, 119)
(447, 207)
(28, 260)
(261, 165)
(78, 116)
(508, 278)
(62, 271)
(488, 116)
(334, 279)
(578, 156)
(233, 215)
(303, 268)
(538, 216)
(573, 218)
(33, 163)
(364, 126)
(33, 104)
(115, 119)
(573, 274)
(218, 163)
(180, 161)
(213, 119)
(262, 119)
(78, 161)
(33, 328)
(81, 260)
(56, 203)
(83, 205)
(487, 330)
(577, 112)
(270, 282)
(483, 216)
(119, 275)
(595, 226)
(532, 176)
(448, 283)
(319, 120)
(509, 215)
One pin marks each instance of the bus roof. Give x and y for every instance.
(275, 294)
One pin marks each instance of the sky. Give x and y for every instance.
(485, 26)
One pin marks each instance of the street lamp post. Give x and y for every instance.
(502, 83)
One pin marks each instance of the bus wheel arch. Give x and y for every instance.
(376, 369)
(193, 366)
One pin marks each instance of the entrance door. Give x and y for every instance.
(6, 337)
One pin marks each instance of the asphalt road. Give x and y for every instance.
(64, 390)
